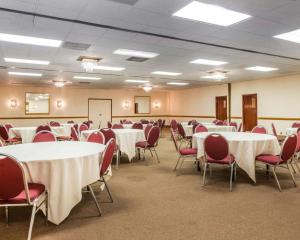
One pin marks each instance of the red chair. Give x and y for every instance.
(150, 143)
(285, 158)
(296, 125)
(216, 151)
(280, 138)
(70, 122)
(88, 123)
(173, 124)
(144, 121)
(183, 153)
(296, 157)
(43, 128)
(76, 127)
(5, 138)
(219, 123)
(147, 130)
(96, 137)
(15, 191)
(83, 127)
(234, 124)
(54, 124)
(117, 126)
(240, 127)
(200, 128)
(259, 129)
(127, 122)
(8, 126)
(74, 134)
(182, 132)
(109, 124)
(137, 126)
(44, 136)
(109, 134)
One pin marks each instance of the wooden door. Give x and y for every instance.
(249, 111)
(221, 108)
(100, 111)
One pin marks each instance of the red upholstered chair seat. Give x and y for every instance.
(142, 144)
(227, 160)
(270, 159)
(188, 151)
(34, 189)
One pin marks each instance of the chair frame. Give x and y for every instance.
(36, 204)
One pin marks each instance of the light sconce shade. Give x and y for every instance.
(59, 104)
(126, 104)
(156, 105)
(13, 103)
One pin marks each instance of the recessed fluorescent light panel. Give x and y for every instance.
(134, 53)
(136, 81)
(30, 40)
(87, 78)
(25, 74)
(210, 14)
(261, 69)
(108, 68)
(293, 36)
(166, 73)
(215, 77)
(26, 61)
(208, 62)
(178, 83)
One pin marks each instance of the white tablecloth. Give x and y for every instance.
(203, 123)
(130, 125)
(188, 129)
(27, 133)
(290, 131)
(63, 167)
(125, 138)
(244, 146)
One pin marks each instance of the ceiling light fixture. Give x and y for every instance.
(261, 69)
(109, 68)
(87, 78)
(210, 14)
(216, 75)
(166, 73)
(25, 74)
(136, 81)
(178, 83)
(208, 62)
(30, 40)
(27, 61)
(293, 36)
(134, 53)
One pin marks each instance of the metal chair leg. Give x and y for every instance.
(46, 206)
(118, 159)
(288, 167)
(177, 163)
(210, 170)
(156, 155)
(108, 191)
(31, 221)
(204, 174)
(6, 216)
(293, 168)
(275, 176)
(231, 176)
(95, 199)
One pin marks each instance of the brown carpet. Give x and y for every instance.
(153, 202)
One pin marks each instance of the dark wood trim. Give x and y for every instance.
(229, 101)
(105, 99)
(243, 103)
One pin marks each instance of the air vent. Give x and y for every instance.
(137, 59)
(84, 83)
(127, 2)
(76, 46)
(3, 67)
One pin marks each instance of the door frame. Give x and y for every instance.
(243, 101)
(216, 105)
(107, 99)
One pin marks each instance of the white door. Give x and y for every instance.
(100, 112)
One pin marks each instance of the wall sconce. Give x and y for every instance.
(13, 103)
(59, 104)
(126, 104)
(156, 105)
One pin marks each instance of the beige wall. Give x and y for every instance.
(75, 102)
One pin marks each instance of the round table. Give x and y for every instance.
(27, 133)
(126, 139)
(63, 167)
(244, 146)
(290, 131)
(130, 125)
(188, 129)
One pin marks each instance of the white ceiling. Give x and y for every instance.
(269, 18)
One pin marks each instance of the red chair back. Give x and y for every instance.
(216, 147)
(137, 126)
(44, 136)
(160, 123)
(259, 129)
(288, 148)
(8, 126)
(173, 124)
(76, 127)
(274, 130)
(127, 122)
(153, 136)
(12, 178)
(74, 134)
(109, 124)
(200, 128)
(70, 122)
(83, 127)
(219, 123)
(43, 128)
(147, 130)
(144, 121)
(96, 137)
(173, 135)
(87, 123)
(296, 125)
(107, 156)
(117, 126)
(108, 134)
(298, 141)
(3, 133)
(54, 124)
(181, 130)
